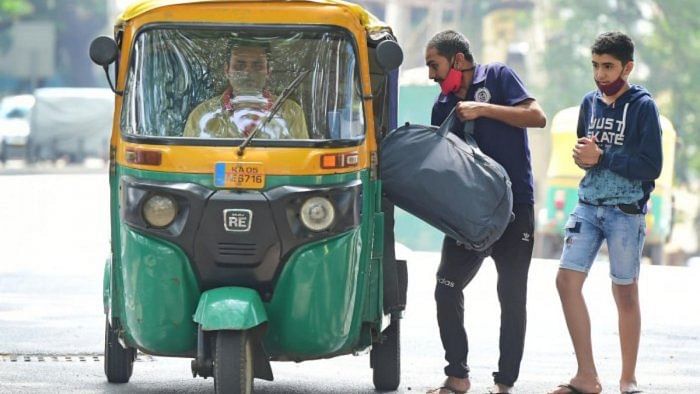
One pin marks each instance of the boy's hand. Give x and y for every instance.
(586, 152)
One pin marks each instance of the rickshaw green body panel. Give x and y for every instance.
(327, 297)
(305, 307)
(230, 308)
(160, 294)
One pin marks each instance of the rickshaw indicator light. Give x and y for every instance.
(340, 160)
(159, 210)
(351, 159)
(329, 161)
(147, 157)
(317, 213)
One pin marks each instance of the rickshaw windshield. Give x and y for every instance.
(214, 84)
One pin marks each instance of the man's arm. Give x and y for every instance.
(519, 109)
(526, 114)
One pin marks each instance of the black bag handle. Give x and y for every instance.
(449, 121)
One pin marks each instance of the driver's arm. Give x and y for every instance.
(192, 128)
(294, 116)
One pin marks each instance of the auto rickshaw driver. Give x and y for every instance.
(246, 102)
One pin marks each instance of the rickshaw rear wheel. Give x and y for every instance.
(385, 359)
(233, 362)
(119, 361)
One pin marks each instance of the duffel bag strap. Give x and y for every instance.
(446, 125)
(449, 121)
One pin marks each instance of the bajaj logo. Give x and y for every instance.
(237, 219)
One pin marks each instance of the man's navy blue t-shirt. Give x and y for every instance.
(498, 84)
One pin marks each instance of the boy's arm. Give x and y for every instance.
(581, 131)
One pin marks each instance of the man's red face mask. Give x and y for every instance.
(452, 81)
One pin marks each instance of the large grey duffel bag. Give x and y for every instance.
(448, 182)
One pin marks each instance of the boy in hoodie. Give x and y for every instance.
(619, 146)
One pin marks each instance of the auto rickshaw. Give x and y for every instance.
(563, 177)
(240, 248)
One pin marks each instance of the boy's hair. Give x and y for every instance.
(448, 43)
(616, 44)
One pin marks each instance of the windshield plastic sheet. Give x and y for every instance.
(218, 84)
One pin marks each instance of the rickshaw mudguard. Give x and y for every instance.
(107, 285)
(309, 318)
(155, 292)
(230, 308)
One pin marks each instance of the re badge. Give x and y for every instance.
(238, 219)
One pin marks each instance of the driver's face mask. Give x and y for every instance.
(249, 82)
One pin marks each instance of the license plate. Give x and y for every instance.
(239, 175)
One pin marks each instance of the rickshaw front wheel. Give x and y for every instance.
(233, 362)
(119, 362)
(385, 358)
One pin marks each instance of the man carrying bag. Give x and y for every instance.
(494, 98)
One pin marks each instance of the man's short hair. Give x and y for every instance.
(448, 43)
(615, 44)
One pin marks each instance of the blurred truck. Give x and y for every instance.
(71, 124)
(14, 125)
(561, 196)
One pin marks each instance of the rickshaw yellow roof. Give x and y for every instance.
(369, 21)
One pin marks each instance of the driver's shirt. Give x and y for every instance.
(237, 117)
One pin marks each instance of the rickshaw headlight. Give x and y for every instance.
(159, 210)
(317, 213)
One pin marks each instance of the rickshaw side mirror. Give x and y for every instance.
(103, 52)
(389, 55)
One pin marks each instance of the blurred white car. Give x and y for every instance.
(70, 123)
(15, 112)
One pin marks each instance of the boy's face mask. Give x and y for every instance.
(613, 87)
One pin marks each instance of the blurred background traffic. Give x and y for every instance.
(56, 107)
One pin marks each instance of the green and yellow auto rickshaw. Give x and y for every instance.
(247, 219)
(563, 177)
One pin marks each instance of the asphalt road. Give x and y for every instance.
(55, 236)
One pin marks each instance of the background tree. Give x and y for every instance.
(77, 23)
(11, 10)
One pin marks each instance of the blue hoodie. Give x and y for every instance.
(629, 132)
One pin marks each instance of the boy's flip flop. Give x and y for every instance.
(632, 392)
(573, 390)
